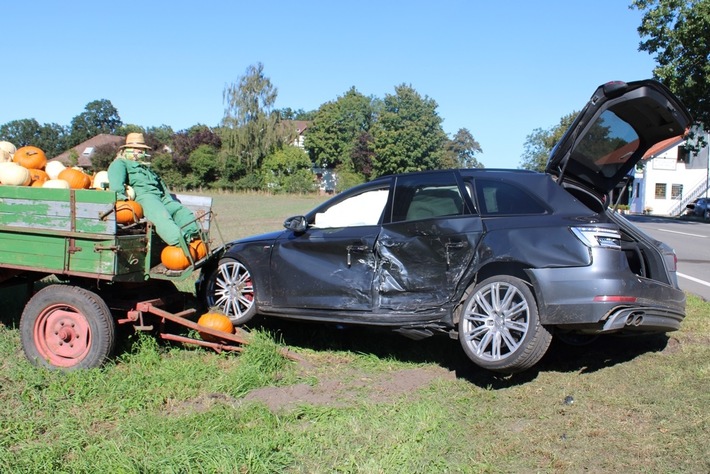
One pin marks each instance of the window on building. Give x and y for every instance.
(660, 190)
(683, 155)
(677, 191)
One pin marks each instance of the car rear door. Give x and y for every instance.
(426, 243)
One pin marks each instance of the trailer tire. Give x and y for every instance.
(67, 327)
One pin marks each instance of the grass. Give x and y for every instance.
(359, 401)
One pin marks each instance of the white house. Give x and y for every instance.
(668, 178)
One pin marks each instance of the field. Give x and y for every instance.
(356, 400)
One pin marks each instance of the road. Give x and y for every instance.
(691, 242)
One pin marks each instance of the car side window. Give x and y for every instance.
(427, 196)
(501, 198)
(358, 210)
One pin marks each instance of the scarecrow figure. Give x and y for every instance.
(171, 219)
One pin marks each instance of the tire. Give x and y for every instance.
(230, 289)
(67, 327)
(499, 327)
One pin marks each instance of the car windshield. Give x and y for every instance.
(607, 145)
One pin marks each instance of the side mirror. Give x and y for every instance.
(296, 223)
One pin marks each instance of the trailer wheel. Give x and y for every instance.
(67, 327)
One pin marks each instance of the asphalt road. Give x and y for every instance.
(691, 242)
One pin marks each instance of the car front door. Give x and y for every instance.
(331, 265)
(427, 242)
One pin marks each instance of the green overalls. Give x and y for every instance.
(171, 219)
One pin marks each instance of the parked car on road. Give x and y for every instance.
(699, 208)
(502, 260)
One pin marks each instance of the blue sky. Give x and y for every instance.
(499, 69)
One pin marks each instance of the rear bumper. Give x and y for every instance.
(566, 298)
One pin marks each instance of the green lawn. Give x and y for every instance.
(357, 400)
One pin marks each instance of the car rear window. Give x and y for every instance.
(501, 198)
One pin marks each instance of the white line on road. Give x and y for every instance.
(696, 280)
(681, 233)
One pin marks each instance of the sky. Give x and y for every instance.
(499, 69)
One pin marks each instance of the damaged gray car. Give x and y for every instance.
(502, 260)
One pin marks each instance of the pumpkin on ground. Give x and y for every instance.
(174, 258)
(77, 179)
(217, 321)
(128, 212)
(13, 174)
(30, 157)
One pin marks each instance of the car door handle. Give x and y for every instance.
(354, 248)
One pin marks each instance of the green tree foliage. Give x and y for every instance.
(103, 156)
(336, 128)
(163, 165)
(248, 126)
(51, 138)
(204, 167)
(539, 144)
(289, 114)
(288, 170)
(463, 149)
(99, 116)
(408, 134)
(362, 155)
(677, 32)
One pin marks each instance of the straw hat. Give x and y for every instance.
(135, 140)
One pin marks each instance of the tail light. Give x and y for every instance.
(598, 237)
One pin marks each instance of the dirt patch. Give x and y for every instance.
(349, 387)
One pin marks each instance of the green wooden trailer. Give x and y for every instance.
(105, 273)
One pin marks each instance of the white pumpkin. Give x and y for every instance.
(53, 169)
(56, 184)
(13, 174)
(5, 156)
(100, 179)
(8, 148)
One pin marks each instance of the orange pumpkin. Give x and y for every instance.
(217, 321)
(30, 157)
(173, 258)
(77, 179)
(38, 183)
(38, 175)
(128, 212)
(199, 247)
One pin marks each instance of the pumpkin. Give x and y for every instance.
(38, 175)
(30, 157)
(56, 184)
(173, 258)
(77, 179)
(53, 169)
(200, 249)
(38, 183)
(217, 321)
(100, 180)
(128, 212)
(7, 149)
(14, 175)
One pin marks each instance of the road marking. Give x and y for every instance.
(681, 233)
(696, 280)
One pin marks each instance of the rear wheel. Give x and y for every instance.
(230, 289)
(499, 328)
(67, 327)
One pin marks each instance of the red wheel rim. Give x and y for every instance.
(62, 335)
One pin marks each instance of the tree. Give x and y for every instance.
(677, 32)
(288, 113)
(204, 167)
(248, 126)
(408, 134)
(336, 127)
(288, 170)
(463, 148)
(539, 144)
(21, 132)
(99, 116)
(103, 156)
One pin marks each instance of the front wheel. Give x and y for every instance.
(230, 289)
(67, 327)
(499, 328)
